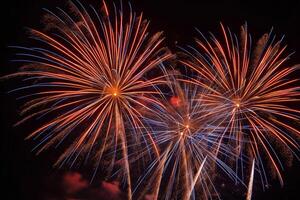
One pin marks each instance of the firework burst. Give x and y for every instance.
(187, 133)
(89, 78)
(253, 90)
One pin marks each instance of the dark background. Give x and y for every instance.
(25, 176)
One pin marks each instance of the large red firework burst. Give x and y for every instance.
(253, 89)
(89, 75)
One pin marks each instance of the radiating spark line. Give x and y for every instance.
(250, 185)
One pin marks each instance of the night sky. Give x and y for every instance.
(26, 176)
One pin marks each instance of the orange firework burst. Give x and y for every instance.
(253, 89)
(90, 77)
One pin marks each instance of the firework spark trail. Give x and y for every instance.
(250, 185)
(252, 89)
(187, 134)
(197, 175)
(91, 74)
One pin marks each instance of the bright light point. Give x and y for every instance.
(113, 91)
(181, 133)
(237, 102)
(187, 126)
